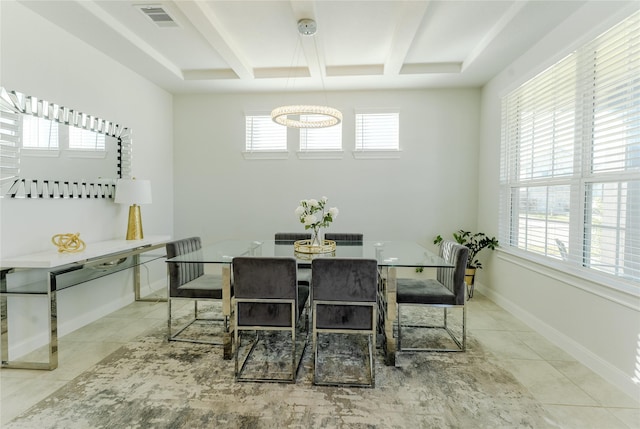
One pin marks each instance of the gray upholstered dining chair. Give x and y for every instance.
(344, 301)
(188, 281)
(267, 298)
(348, 237)
(287, 239)
(290, 237)
(446, 291)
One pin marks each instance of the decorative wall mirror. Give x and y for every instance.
(51, 151)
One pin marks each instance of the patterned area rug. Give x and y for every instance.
(151, 383)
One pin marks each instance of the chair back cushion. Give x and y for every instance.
(180, 274)
(264, 278)
(347, 237)
(344, 281)
(285, 240)
(291, 237)
(453, 279)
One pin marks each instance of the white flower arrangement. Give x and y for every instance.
(314, 215)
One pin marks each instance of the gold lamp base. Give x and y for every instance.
(134, 227)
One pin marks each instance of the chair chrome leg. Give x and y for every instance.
(399, 329)
(372, 364)
(169, 319)
(461, 343)
(171, 336)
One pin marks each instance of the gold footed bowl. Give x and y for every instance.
(305, 246)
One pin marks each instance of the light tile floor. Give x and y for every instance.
(570, 392)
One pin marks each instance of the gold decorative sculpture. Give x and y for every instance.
(68, 243)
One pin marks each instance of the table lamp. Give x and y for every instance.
(133, 192)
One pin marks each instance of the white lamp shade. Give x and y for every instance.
(133, 191)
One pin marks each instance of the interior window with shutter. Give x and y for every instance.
(378, 131)
(263, 136)
(80, 139)
(320, 139)
(570, 161)
(39, 133)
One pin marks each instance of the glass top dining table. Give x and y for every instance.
(389, 254)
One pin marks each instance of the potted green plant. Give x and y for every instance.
(475, 243)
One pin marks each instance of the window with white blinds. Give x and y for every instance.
(39, 133)
(377, 131)
(81, 139)
(264, 135)
(570, 161)
(320, 139)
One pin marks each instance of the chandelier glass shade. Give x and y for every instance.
(323, 116)
(328, 116)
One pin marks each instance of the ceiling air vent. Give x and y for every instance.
(157, 15)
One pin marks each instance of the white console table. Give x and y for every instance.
(66, 270)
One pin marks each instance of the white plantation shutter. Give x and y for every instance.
(39, 133)
(262, 134)
(320, 139)
(570, 162)
(377, 131)
(86, 139)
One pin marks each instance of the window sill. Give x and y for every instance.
(321, 154)
(376, 154)
(86, 153)
(612, 288)
(40, 153)
(266, 154)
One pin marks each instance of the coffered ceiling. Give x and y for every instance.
(237, 45)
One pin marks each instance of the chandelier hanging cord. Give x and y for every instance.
(322, 70)
(330, 116)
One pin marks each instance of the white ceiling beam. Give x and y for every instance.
(356, 70)
(208, 24)
(429, 68)
(494, 32)
(406, 29)
(130, 36)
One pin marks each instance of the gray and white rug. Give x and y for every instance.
(150, 383)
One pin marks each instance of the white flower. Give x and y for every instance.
(314, 214)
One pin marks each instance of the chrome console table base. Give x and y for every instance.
(52, 309)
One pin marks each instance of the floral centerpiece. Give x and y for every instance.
(315, 215)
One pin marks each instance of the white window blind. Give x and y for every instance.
(39, 133)
(320, 139)
(86, 140)
(570, 162)
(262, 134)
(377, 131)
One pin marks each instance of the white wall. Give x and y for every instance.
(40, 59)
(597, 325)
(429, 190)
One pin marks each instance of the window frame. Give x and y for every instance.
(320, 152)
(381, 153)
(583, 177)
(248, 153)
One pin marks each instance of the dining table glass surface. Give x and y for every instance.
(387, 253)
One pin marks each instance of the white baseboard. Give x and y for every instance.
(583, 355)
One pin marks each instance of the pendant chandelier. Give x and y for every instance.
(324, 116)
